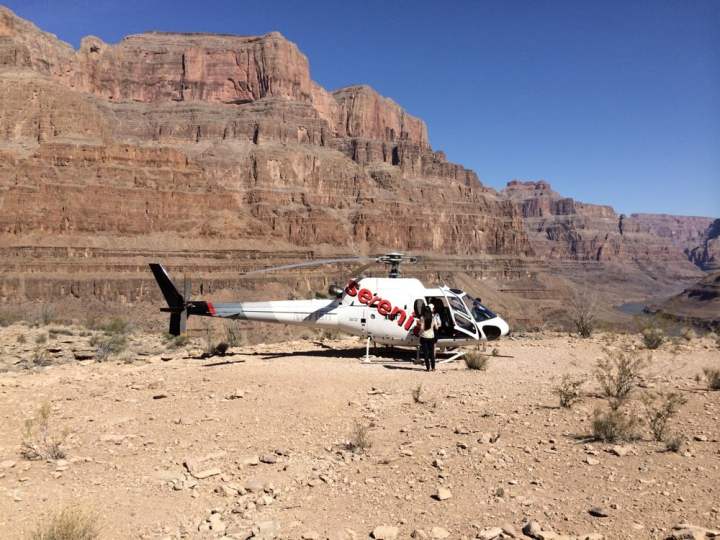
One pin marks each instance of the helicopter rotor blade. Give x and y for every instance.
(319, 262)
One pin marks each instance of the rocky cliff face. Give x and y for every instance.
(560, 227)
(211, 136)
(706, 254)
(219, 153)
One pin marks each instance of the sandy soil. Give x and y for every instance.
(162, 445)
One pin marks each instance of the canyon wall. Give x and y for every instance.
(219, 153)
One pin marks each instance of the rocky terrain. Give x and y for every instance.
(218, 154)
(160, 443)
(699, 303)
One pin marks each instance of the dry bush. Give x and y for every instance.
(359, 438)
(40, 357)
(568, 391)
(619, 374)
(674, 443)
(41, 339)
(21, 339)
(688, 334)
(177, 342)
(659, 409)
(45, 314)
(476, 360)
(41, 440)
(116, 326)
(417, 393)
(108, 345)
(712, 376)
(583, 313)
(69, 524)
(613, 425)
(8, 317)
(653, 337)
(57, 331)
(233, 337)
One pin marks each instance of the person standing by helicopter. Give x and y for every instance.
(430, 323)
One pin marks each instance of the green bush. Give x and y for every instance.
(619, 374)
(659, 409)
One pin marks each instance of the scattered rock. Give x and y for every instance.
(490, 534)
(442, 494)
(592, 461)
(438, 533)
(385, 532)
(419, 534)
(685, 531)
(310, 535)
(266, 530)
(268, 458)
(597, 511)
(207, 473)
(7, 464)
(619, 450)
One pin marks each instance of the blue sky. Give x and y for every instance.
(613, 102)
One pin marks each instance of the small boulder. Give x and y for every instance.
(385, 532)
(442, 494)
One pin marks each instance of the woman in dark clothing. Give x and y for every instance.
(427, 337)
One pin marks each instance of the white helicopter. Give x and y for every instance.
(386, 311)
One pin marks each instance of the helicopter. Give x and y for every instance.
(384, 310)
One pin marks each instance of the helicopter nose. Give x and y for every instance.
(504, 327)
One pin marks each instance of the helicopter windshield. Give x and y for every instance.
(480, 313)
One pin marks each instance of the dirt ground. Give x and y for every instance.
(163, 445)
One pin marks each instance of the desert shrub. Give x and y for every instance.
(359, 440)
(116, 326)
(712, 377)
(40, 357)
(41, 440)
(21, 338)
(8, 317)
(495, 352)
(68, 524)
(659, 409)
(619, 374)
(417, 393)
(233, 337)
(568, 391)
(58, 331)
(613, 425)
(653, 337)
(688, 334)
(476, 360)
(177, 342)
(41, 339)
(45, 314)
(674, 443)
(583, 312)
(220, 349)
(108, 345)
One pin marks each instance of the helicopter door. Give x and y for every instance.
(461, 318)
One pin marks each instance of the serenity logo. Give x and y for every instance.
(383, 307)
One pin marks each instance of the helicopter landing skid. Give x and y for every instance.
(455, 354)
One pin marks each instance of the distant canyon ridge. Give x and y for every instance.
(218, 153)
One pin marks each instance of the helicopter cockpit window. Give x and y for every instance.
(480, 312)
